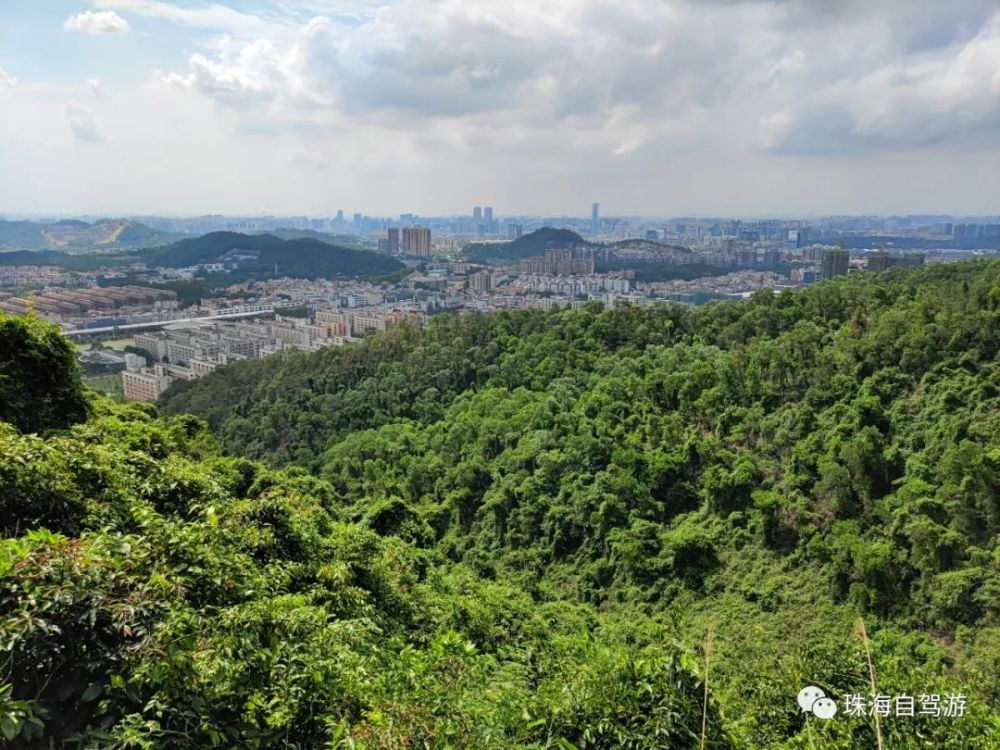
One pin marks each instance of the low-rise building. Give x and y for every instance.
(147, 384)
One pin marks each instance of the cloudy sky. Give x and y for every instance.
(656, 107)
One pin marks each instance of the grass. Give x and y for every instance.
(109, 385)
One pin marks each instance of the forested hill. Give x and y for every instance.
(596, 529)
(773, 468)
(530, 245)
(303, 257)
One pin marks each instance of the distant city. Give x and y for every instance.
(483, 222)
(143, 321)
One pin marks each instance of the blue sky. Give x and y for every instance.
(661, 107)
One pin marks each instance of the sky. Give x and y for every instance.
(652, 107)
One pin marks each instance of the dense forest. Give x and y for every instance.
(640, 528)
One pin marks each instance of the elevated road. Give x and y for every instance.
(248, 311)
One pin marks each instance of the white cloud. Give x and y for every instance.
(7, 81)
(82, 123)
(203, 16)
(620, 76)
(793, 62)
(948, 98)
(96, 23)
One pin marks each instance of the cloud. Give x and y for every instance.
(202, 16)
(83, 124)
(647, 105)
(7, 81)
(951, 98)
(96, 23)
(586, 76)
(593, 64)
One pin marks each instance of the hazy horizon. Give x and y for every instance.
(43, 216)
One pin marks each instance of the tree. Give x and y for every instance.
(40, 385)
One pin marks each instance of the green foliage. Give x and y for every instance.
(516, 530)
(40, 384)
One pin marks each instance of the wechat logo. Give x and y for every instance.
(813, 700)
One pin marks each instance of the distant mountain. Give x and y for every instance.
(70, 235)
(528, 246)
(306, 258)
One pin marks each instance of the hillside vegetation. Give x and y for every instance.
(298, 256)
(773, 470)
(534, 529)
(155, 594)
(304, 257)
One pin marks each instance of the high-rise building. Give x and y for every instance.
(595, 218)
(392, 245)
(417, 241)
(560, 262)
(477, 214)
(514, 231)
(481, 282)
(488, 214)
(880, 261)
(835, 263)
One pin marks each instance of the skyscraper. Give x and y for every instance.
(488, 214)
(417, 241)
(477, 214)
(392, 246)
(835, 263)
(595, 218)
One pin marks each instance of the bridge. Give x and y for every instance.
(246, 311)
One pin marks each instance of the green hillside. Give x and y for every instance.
(301, 257)
(528, 246)
(155, 594)
(591, 529)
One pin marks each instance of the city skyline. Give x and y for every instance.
(126, 107)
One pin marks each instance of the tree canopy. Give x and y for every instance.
(590, 529)
(40, 385)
